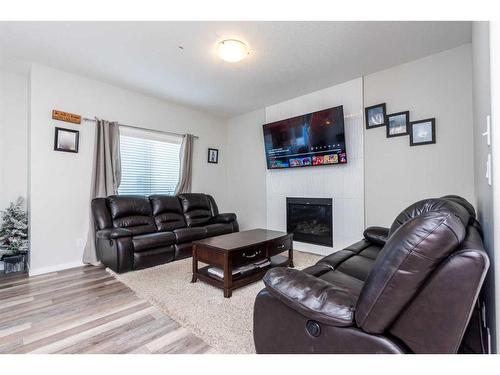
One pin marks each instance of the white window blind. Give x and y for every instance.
(150, 162)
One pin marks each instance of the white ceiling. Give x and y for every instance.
(288, 59)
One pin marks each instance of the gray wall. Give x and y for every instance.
(13, 137)
(396, 174)
(484, 192)
(246, 169)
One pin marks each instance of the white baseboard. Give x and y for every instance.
(57, 267)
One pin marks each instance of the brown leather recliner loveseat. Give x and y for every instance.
(407, 289)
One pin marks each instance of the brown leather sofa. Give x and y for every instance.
(134, 232)
(407, 289)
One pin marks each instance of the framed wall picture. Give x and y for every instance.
(423, 132)
(397, 124)
(375, 116)
(213, 155)
(66, 140)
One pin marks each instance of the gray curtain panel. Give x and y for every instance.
(186, 172)
(106, 175)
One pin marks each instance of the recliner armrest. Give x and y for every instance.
(113, 233)
(223, 218)
(377, 235)
(312, 297)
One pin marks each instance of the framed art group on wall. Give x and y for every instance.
(421, 132)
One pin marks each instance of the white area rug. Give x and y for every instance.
(223, 323)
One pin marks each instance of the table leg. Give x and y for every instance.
(290, 256)
(195, 265)
(228, 277)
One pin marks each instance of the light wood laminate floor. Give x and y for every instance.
(85, 310)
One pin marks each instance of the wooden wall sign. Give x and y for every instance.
(66, 116)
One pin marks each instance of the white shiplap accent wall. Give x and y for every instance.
(343, 183)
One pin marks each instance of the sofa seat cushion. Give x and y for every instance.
(357, 266)
(183, 235)
(153, 240)
(347, 282)
(356, 260)
(333, 260)
(317, 269)
(371, 252)
(218, 229)
(348, 268)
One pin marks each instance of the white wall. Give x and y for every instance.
(60, 182)
(483, 192)
(396, 174)
(246, 169)
(13, 137)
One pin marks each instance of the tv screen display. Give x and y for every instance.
(314, 139)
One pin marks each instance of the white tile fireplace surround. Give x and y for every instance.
(343, 183)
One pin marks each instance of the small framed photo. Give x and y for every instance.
(375, 116)
(213, 155)
(423, 132)
(66, 140)
(397, 124)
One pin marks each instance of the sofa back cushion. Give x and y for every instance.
(196, 208)
(132, 212)
(167, 212)
(430, 205)
(463, 202)
(411, 254)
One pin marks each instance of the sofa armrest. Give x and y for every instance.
(377, 235)
(113, 233)
(312, 297)
(223, 218)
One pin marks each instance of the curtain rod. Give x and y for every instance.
(137, 127)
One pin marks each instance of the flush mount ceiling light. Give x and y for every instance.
(232, 50)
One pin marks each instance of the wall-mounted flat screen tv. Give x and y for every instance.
(314, 139)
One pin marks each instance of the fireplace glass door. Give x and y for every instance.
(310, 220)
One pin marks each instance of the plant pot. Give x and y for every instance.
(14, 263)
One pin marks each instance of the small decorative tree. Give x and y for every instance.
(14, 228)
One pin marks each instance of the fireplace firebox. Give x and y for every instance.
(310, 220)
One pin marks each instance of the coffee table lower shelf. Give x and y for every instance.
(240, 280)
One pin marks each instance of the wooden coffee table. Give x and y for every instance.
(238, 249)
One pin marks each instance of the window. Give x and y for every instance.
(150, 162)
